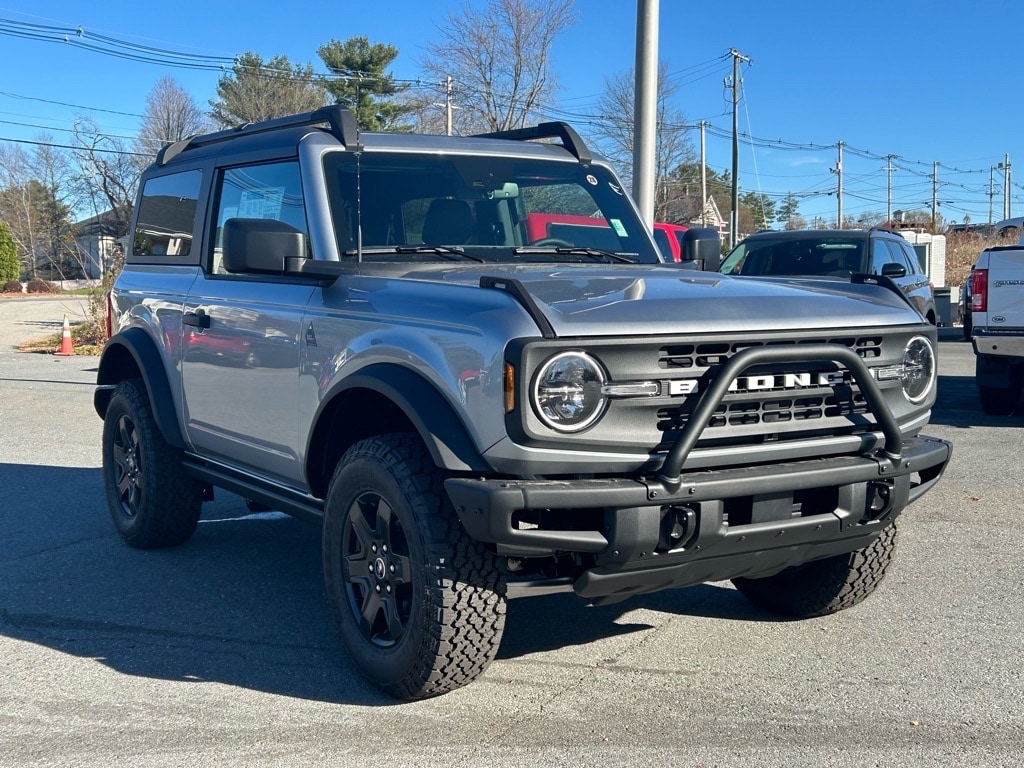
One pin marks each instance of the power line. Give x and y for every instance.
(78, 148)
(66, 104)
(109, 45)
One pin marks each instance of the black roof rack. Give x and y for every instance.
(570, 139)
(341, 121)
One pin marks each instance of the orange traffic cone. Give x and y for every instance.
(67, 347)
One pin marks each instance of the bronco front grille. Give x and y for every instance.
(768, 409)
(697, 356)
(767, 403)
(772, 412)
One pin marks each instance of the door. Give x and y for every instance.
(242, 337)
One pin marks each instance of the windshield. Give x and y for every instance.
(416, 207)
(839, 257)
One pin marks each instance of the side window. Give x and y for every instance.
(270, 191)
(916, 256)
(880, 255)
(900, 256)
(167, 217)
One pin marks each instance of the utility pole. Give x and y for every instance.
(448, 105)
(888, 188)
(734, 215)
(703, 177)
(838, 171)
(1005, 165)
(935, 193)
(645, 108)
(991, 190)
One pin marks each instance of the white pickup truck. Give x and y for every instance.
(997, 308)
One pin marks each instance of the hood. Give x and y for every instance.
(629, 300)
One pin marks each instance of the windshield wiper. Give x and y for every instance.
(441, 250)
(561, 250)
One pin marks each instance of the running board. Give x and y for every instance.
(275, 497)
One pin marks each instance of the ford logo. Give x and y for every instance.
(998, 319)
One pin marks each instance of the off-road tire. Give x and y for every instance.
(437, 619)
(999, 401)
(823, 586)
(152, 501)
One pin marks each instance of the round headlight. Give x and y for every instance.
(918, 374)
(567, 391)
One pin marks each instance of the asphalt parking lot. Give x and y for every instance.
(222, 652)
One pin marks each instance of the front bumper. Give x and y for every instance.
(745, 521)
(685, 526)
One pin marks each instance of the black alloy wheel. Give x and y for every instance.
(377, 570)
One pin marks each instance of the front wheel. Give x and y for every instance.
(420, 606)
(823, 586)
(153, 502)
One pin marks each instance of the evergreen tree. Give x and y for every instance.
(10, 268)
(255, 91)
(362, 85)
(789, 209)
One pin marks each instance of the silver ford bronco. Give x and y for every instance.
(464, 358)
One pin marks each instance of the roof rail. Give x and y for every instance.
(570, 139)
(341, 121)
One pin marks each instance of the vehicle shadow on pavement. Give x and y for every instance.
(558, 621)
(242, 603)
(957, 405)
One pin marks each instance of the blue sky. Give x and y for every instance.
(923, 81)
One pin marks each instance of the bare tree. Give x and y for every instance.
(37, 197)
(16, 203)
(674, 147)
(109, 175)
(499, 56)
(255, 90)
(53, 169)
(171, 115)
(426, 109)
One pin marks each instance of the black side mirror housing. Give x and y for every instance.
(702, 247)
(892, 269)
(261, 245)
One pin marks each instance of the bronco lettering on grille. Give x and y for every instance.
(683, 387)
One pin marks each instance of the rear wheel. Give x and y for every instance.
(153, 502)
(999, 401)
(823, 586)
(419, 605)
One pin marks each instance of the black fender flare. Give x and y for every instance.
(435, 420)
(130, 353)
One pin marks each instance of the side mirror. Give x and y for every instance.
(703, 248)
(892, 269)
(261, 245)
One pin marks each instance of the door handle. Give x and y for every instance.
(197, 319)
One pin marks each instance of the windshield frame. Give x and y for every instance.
(521, 209)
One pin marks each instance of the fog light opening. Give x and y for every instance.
(879, 502)
(678, 527)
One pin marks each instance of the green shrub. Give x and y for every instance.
(13, 286)
(38, 285)
(10, 269)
